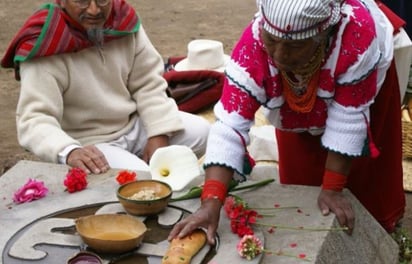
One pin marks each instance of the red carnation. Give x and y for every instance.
(75, 180)
(241, 218)
(126, 176)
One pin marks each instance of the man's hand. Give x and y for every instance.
(337, 203)
(152, 144)
(88, 158)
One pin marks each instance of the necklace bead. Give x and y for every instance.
(299, 78)
(300, 86)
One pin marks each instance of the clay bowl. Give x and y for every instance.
(111, 233)
(144, 197)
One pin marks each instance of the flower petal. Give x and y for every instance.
(31, 190)
(179, 161)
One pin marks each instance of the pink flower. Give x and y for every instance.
(30, 191)
(249, 247)
(75, 180)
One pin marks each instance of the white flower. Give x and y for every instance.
(174, 165)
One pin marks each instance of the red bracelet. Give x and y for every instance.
(214, 189)
(333, 181)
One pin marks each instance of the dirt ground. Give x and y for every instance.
(169, 24)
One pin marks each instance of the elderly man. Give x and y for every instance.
(92, 92)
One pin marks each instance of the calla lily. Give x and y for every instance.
(174, 165)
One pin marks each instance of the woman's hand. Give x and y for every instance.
(207, 217)
(336, 202)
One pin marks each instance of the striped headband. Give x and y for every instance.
(299, 19)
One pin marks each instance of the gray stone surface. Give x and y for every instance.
(368, 244)
(41, 232)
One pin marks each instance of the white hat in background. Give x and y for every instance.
(203, 54)
(299, 19)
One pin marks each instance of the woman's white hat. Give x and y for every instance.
(299, 19)
(203, 54)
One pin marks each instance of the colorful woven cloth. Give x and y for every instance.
(51, 31)
(208, 87)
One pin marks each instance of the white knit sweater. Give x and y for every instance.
(93, 96)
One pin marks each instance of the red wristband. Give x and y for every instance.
(214, 189)
(333, 181)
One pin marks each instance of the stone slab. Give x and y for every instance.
(368, 244)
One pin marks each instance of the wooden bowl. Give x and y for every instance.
(144, 197)
(111, 233)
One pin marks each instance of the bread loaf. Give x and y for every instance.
(181, 251)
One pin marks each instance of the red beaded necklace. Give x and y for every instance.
(301, 95)
(302, 103)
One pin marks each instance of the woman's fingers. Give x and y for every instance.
(206, 217)
(336, 202)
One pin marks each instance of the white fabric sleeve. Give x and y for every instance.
(62, 156)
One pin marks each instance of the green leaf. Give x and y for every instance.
(196, 191)
(253, 185)
(193, 193)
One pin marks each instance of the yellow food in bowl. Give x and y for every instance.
(144, 195)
